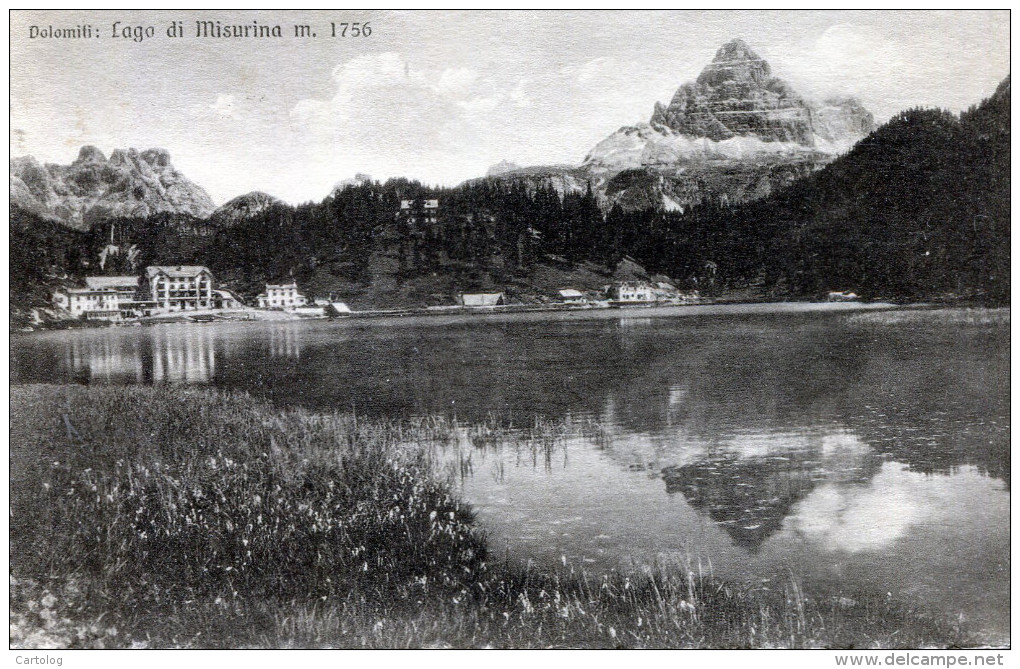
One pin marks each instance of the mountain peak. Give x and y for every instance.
(94, 187)
(736, 62)
(502, 167)
(736, 96)
(735, 49)
(733, 134)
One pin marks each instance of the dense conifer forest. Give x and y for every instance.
(919, 209)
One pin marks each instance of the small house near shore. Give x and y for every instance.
(571, 295)
(632, 292)
(481, 299)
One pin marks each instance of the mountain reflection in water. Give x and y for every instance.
(750, 486)
(863, 455)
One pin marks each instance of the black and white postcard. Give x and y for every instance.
(510, 329)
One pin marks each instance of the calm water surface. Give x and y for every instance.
(755, 445)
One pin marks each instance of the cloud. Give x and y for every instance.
(519, 95)
(852, 518)
(592, 70)
(455, 80)
(865, 62)
(389, 116)
(225, 106)
(480, 105)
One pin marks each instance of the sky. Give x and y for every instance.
(441, 96)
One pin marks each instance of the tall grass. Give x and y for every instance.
(155, 517)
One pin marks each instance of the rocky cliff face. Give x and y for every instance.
(737, 96)
(735, 133)
(94, 188)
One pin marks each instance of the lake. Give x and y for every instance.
(849, 450)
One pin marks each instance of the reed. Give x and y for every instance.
(952, 316)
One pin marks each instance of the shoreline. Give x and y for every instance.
(406, 564)
(597, 310)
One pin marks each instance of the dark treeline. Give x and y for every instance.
(42, 253)
(918, 209)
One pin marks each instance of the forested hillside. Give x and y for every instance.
(919, 209)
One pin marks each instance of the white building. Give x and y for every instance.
(632, 292)
(281, 296)
(110, 298)
(419, 212)
(180, 287)
(571, 295)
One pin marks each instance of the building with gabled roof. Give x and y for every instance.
(108, 298)
(281, 296)
(179, 287)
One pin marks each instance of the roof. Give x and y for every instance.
(176, 271)
(99, 282)
(292, 284)
(481, 299)
(570, 292)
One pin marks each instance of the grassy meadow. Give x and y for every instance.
(173, 517)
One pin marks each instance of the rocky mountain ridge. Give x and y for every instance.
(94, 187)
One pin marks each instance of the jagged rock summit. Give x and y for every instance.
(735, 110)
(736, 133)
(94, 187)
